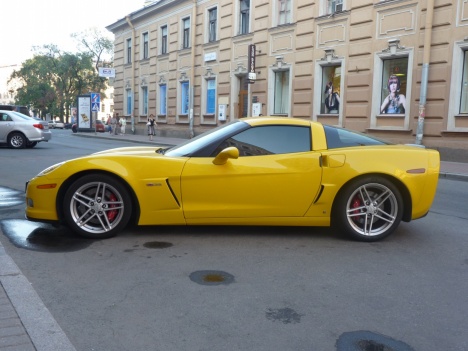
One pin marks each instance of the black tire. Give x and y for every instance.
(97, 206)
(17, 141)
(31, 144)
(368, 209)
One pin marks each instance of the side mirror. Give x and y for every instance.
(224, 155)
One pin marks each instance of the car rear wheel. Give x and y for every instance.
(17, 141)
(369, 209)
(97, 206)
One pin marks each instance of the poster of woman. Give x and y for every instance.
(332, 99)
(394, 102)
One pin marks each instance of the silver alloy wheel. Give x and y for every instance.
(97, 207)
(17, 141)
(372, 209)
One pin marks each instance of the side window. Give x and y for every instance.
(269, 140)
(338, 138)
(244, 16)
(284, 12)
(145, 44)
(129, 50)
(464, 86)
(5, 118)
(212, 24)
(164, 40)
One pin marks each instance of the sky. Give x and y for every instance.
(28, 23)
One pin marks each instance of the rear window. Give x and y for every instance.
(338, 138)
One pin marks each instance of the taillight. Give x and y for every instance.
(38, 125)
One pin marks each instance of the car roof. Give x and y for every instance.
(257, 121)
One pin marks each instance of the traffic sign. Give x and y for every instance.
(95, 102)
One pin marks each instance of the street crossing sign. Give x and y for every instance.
(95, 102)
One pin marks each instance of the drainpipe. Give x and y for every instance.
(193, 25)
(127, 18)
(425, 71)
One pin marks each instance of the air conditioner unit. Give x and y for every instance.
(339, 7)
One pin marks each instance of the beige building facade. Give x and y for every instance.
(393, 68)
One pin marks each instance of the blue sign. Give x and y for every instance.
(95, 102)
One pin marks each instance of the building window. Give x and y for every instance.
(244, 16)
(331, 88)
(129, 50)
(184, 98)
(129, 102)
(144, 101)
(394, 81)
(186, 33)
(334, 6)
(163, 99)
(164, 40)
(284, 11)
(145, 45)
(281, 93)
(212, 23)
(210, 96)
(464, 87)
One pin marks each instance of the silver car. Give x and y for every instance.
(20, 131)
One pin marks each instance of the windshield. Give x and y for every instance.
(191, 146)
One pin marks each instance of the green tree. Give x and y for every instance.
(52, 79)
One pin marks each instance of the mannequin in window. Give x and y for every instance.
(395, 102)
(332, 100)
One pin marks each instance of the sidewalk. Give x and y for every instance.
(27, 325)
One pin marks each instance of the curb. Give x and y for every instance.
(40, 327)
(453, 176)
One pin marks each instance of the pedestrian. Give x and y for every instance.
(151, 126)
(123, 123)
(117, 124)
(108, 124)
(113, 123)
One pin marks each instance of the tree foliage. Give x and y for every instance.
(51, 80)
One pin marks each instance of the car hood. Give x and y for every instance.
(130, 151)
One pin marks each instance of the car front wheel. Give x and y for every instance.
(97, 206)
(369, 209)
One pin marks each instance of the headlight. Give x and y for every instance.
(50, 169)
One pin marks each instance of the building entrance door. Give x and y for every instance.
(243, 97)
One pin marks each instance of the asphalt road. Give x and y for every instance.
(243, 288)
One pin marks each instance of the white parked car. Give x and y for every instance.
(21, 131)
(56, 125)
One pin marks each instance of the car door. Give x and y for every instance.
(6, 126)
(276, 174)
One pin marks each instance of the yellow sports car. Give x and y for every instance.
(253, 171)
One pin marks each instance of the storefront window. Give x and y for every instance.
(394, 81)
(331, 78)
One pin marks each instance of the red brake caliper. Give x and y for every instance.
(355, 204)
(112, 214)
